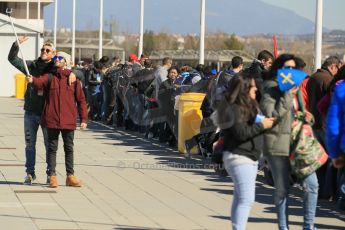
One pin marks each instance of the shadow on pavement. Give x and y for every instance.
(136, 228)
(199, 166)
(269, 220)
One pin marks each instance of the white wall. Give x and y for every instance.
(30, 50)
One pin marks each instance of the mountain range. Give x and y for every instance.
(243, 17)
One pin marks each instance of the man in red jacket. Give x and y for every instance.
(62, 104)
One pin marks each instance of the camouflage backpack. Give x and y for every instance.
(306, 153)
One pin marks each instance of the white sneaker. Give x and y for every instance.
(29, 179)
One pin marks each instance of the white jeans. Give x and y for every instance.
(243, 173)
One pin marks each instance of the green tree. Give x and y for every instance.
(164, 41)
(215, 41)
(191, 42)
(130, 45)
(149, 41)
(233, 43)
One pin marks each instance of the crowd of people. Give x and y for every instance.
(245, 112)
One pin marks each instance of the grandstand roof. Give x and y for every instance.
(210, 55)
(84, 43)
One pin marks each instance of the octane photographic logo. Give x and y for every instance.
(121, 165)
(168, 166)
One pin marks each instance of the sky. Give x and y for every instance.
(334, 18)
(333, 15)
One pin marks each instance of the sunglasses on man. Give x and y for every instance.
(46, 50)
(289, 67)
(59, 58)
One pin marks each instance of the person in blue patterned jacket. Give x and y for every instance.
(335, 138)
(335, 135)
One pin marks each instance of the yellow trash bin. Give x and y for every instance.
(189, 119)
(20, 85)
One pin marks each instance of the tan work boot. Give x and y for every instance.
(53, 182)
(72, 181)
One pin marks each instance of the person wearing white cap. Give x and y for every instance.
(67, 58)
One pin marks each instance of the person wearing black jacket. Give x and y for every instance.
(259, 69)
(95, 78)
(242, 126)
(166, 99)
(34, 100)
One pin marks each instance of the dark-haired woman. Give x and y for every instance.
(242, 126)
(283, 106)
(166, 99)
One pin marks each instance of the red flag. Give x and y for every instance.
(275, 46)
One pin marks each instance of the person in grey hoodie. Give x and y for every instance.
(280, 105)
(161, 74)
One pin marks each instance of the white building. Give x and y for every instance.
(27, 11)
(28, 19)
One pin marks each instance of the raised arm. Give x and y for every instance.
(38, 82)
(13, 56)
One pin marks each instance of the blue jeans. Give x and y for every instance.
(105, 100)
(281, 170)
(243, 176)
(31, 124)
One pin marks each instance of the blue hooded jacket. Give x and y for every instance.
(335, 135)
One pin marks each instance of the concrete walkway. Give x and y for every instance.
(128, 183)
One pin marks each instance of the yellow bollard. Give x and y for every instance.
(20, 82)
(190, 117)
